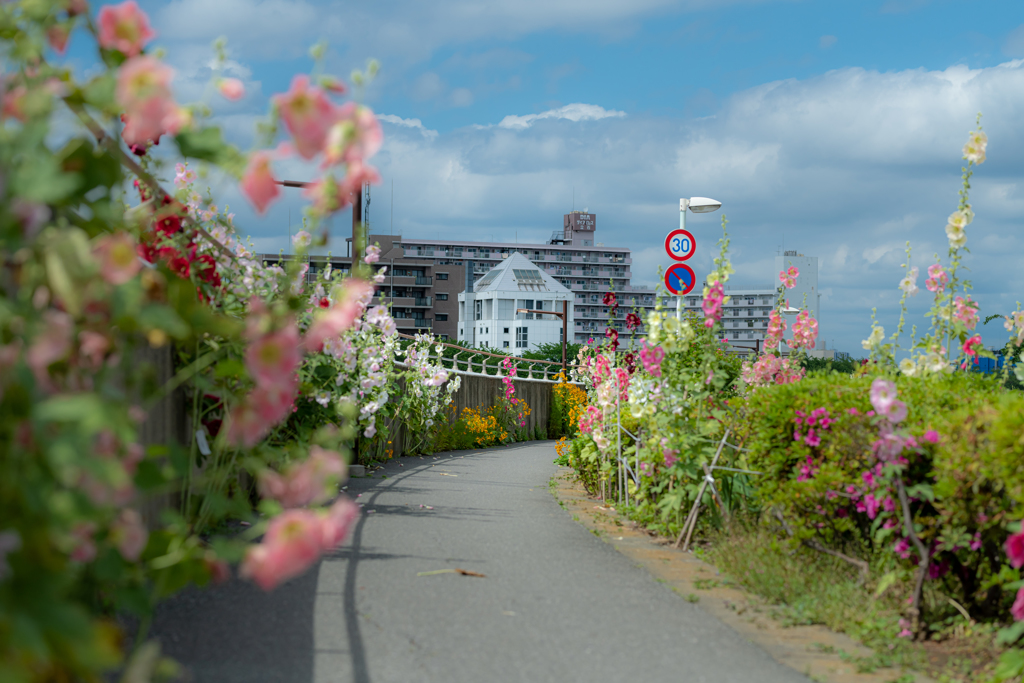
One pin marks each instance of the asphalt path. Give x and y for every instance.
(555, 602)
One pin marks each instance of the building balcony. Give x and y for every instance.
(405, 281)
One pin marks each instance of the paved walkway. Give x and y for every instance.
(556, 604)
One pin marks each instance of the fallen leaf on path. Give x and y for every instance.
(445, 474)
(464, 572)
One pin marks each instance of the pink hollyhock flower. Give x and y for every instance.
(889, 505)
(57, 36)
(869, 479)
(1017, 611)
(359, 174)
(670, 456)
(966, 311)
(117, 257)
(883, 393)
(336, 524)
(308, 115)
(328, 195)
(143, 90)
(853, 411)
(13, 103)
(273, 358)
(712, 304)
(92, 347)
(129, 534)
(231, 88)
(788, 277)
(52, 344)
(805, 331)
(305, 483)
(937, 278)
(931, 436)
(355, 136)
(333, 321)
(973, 345)
(125, 28)
(292, 543)
(258, 182)
(372, 254)
(1015, 549)
(897, 412)
(652, 357)
(871, 505)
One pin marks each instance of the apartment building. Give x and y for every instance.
(424, 295)
(572, 256)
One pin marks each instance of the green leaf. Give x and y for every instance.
(1011, 664)
(884, 583)
(41, 179)
(1010, 635)
(99, 92)
(208, 144)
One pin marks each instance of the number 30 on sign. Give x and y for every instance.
(680, 245)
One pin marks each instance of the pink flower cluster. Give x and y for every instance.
(309, 482)
(819, 418)
(973, 345)
(788, 277)
(590, 419)
(652, 357)
(770, 369)
(345, 135)
(295, 540)
(805, 331)
(937, 279)
(966, 312)
(776, 330)
(1015, 321)
(712, 304)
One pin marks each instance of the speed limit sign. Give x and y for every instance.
(680, 245)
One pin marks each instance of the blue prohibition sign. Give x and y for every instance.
(679, 279)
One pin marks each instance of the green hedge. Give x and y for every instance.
(964, 490)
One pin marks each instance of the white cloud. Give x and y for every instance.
(846, 166)
(826, 42)
(408, 123)
(571, 112)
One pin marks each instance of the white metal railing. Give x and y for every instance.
(485, 364)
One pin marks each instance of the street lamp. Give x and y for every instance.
(697, 205)
(564, 315)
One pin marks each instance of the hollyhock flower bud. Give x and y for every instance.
(125, 28)
(57, 36)
(117, 257)
(129, 534)
(258, 183)
(231, 88)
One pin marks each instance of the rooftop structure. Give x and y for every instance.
(487, 309)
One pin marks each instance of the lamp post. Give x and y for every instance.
(564, 315)
(696, 205)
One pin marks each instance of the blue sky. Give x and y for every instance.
(835, 126)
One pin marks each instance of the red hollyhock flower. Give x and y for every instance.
(632, 321)
(610, 300)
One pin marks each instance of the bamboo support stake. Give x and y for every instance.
(691, 519)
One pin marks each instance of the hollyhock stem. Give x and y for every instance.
(908, 527)
(115, 149)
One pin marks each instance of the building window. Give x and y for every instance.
(442, 276)
(521, 337)
(444, 337)
(504, 344)
(442, 296)
(479, 310)
(506, 330)
(441, 317)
